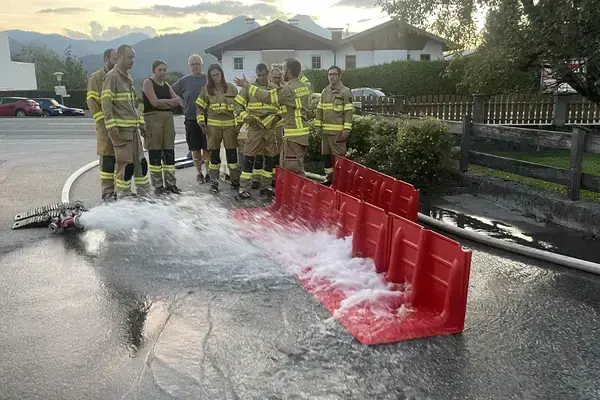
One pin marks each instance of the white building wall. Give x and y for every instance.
(433, 48)
(387, 56)
(14, 75)
(251, 58)
(305, 57)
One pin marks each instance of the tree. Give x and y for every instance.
(48, 62)
(520, 36)
(173, 76)
(75, 76)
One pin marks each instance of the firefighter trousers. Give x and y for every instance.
(105, 150)
(160, 142)
(130, 163)
(293, 152)
(227, 136)
(259, 149)
(331, 145)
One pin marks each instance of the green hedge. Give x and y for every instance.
(418, 78)
(406, 78)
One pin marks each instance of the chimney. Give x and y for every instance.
(293, 22)
(336, 34)
(250, 24)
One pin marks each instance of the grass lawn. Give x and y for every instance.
(558, 159)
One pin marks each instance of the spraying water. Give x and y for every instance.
(202, 232)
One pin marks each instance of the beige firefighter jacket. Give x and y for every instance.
(335, 110)
(293, 98)
(94, 103)
(255, 112)
(219, 109)
(119, 102)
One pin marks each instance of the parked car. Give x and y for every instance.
(19, 107)
(50, 107)
(71, 111)
(367, 92)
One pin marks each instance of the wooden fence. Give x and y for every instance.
(580, 141)
(514, 109)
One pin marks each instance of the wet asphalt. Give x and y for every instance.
(85, 316)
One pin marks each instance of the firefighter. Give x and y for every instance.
(294, 99)
(159, 101)
(104, 147)
(333, 120)
(124, 124)
(216, 112)
(260, 147)
(304, 79)
(277, 79)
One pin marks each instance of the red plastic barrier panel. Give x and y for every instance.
(370, 235)
(347, 207)
(390, 194)
(323, 212)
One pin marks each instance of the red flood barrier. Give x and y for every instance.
(390, 194)
(428, 273)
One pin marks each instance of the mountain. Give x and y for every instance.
(79, 47)
(306, 23)
(175, 49)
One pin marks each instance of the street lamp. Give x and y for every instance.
(59, 76)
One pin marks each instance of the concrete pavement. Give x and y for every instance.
(193, 311)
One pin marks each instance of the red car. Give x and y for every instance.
(19, 107)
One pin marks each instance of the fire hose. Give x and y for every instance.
(58, 217)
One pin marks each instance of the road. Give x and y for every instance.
(183, 307)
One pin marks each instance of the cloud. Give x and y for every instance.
(76, 34)
(63, 10)
(203, 21)
(225, 7)
(112, 32)
(355, 3)
(169, 29)
(96, 29)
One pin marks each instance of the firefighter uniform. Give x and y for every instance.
(293, 99)
(104, 147)
(333, 123)
(119, 104)
(217, 111)
(260, 145)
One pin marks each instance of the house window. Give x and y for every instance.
(238, 63)
(316, 62)
(425, 57)
(350, 62)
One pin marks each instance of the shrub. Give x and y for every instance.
(419, 152)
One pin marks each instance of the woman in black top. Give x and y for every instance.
(159, 101)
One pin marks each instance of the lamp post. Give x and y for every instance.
(59, 76)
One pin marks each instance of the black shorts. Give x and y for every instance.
(194, 136)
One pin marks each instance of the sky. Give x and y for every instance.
(109, 19)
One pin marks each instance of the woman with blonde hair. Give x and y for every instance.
(159, 101)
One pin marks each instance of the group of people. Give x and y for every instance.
(263, 125)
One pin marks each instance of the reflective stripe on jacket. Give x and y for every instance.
(293, 99)
(335, 110)
(263, 114)
(94, 91)
(119, 102)
(219, 109)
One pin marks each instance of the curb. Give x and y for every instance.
(542, 255)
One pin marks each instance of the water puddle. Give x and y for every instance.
(512, 227)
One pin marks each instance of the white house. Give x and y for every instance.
(277, 40)
(15, 75)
